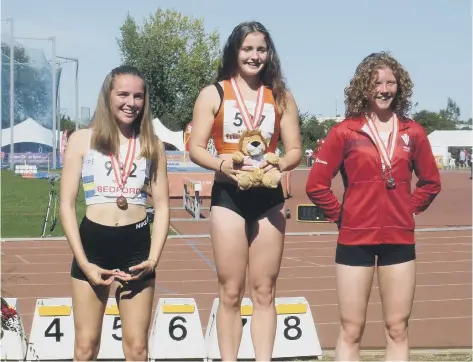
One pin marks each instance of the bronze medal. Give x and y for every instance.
(121, 202)
(122, 177)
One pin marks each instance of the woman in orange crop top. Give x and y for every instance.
(117, 156)
(247, 227)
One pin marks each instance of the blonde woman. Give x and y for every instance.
(115, 158)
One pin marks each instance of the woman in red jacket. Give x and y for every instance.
(375, 148)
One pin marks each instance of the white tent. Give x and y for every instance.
(174, 138)
(28, 131)
(451, 138)
(442, 140)
(32, 132)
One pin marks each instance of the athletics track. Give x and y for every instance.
(441, 317)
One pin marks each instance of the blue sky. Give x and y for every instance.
(320, 42)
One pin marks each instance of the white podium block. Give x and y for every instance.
(52, 331)
(296, 335)
(111, 342)
(176, 332)
(13, 343)
(211, 337)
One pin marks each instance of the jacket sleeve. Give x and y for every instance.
(427, 172)
(326, 166)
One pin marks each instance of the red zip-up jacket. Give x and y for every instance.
(370, 213)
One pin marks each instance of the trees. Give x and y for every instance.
(452, 112)
(177, 58)
(32, 95)
(20, 58)
(432, 121)
(67, 124)
(446, 119)
(312, 130)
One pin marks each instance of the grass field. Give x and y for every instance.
(24, 203)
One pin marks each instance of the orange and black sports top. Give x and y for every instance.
(228, 124)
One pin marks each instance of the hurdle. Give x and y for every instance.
(191, 199)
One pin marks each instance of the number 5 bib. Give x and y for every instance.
(237, 115)
(250, 116)
(233, 125)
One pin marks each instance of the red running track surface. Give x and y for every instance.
(441, 315)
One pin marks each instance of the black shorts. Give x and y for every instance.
(249, 204)
(112, 247)
(366, 255)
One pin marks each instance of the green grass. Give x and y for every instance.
(24, 203)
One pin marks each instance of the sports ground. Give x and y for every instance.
(442, 312)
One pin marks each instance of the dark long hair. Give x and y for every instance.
(271, 75)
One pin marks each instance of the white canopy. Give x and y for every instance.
(33, 132)
(174, 138)
(451, 138)
(440, 141)
(28, 131)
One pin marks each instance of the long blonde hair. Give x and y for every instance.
(106, 137)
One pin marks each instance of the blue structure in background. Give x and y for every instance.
(32, 94)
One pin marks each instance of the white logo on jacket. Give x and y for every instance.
(405, 138)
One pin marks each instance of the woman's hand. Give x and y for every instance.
(232, 170)
(98, 276)
(136, 272)
(267, 166)
(227, 168)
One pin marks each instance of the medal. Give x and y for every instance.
(385, 155)
(250, 122)
(121, 201)
(390, 183)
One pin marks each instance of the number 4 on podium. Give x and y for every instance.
(56, 324)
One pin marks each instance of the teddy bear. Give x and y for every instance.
(253, 146)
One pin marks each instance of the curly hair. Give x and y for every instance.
(364, 83)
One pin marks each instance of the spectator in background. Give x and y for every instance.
(462, 158)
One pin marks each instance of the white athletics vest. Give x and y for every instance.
(98, 178)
